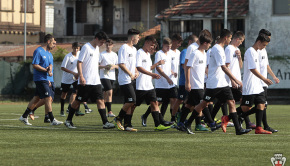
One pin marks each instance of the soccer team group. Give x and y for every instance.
(204, 75)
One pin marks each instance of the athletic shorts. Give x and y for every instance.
(107, 84)
(265, 92)
(147, 95)
(195, 96)
(92, 92)
(182, 93)
(249, 100)
(66, 87)
(237, 94)
(52, 90)
(164, 95)
(128, 92)
(43, 89)
(222, 94)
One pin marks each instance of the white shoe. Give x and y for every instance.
(230, 124)
(56, 122)
(130, 129)
(25, 121)
(111, 114)
(108, 125)
(87, 111)
(69, 124)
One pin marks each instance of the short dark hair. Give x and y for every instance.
(110, 41)
(192, 37)
(150, 38)
(239, 34)
(263, 38)
(101, 35)
(167, 40)
(217, 38)
(205, 38)
(75, 44)
(48, 37)
(176, 37)
(205, 31)
(133, 32)
(225, 33)
(265, 31)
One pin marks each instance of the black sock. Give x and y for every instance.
(250, 112)
(86, 106)
(71, 114)
(234, 117)
(247, 121)
(210, 108)
(264, 119)
(207, 116)
(173, 119)
(171, 111)
(108, 105)
(46, 116)
(102, 113)
(27, 111)
(155, 115)
(68, 107)
(62, 104)
(192, 116)
(127, 120)
(147, 112)
(34, 110)
(216, 109)
(184, 114)
(198, 120)
(161, 118)
(225, 109)
(259, 117)
(121, 115)
(164, 107)
(239, 110)
(51, 117)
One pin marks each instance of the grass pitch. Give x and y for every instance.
(89, 144)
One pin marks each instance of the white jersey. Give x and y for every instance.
(233, 60)
(89, 56)
(216, 76)
(190, 49)
(197, 64)
(251, 83)
(69, 62)
(207, 62)
(166, 67)
(127, 56)
(175, 59)
(144, 81)
(108, 58)
(264, 62)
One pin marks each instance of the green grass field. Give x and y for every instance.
(89, 144)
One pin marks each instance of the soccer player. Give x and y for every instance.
(89, 84)
(217, 86)
(253, 92)
(42, 68)
(127, 73)
(108, 65)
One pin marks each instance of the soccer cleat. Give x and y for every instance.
(252, 125)
(259, 130)
(161, 128)
(108, 125)
(217, 121)
(25, 121)
(270, 129)
(87, 111)
(225, 121)
(46, 120)
(130, 129)
(31, 115)
(166, 123)
(199, 127)
(243, 131)
(79, 113)
(181, 127)
(188, 128)
(69, 124)
(111, 114)
(241, 120)
(214, 126)
(230, 124)
(144, 120)
(118, 124)
(56, 122)
(67, 110)
(62, 113)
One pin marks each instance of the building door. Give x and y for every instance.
(70, 21)
(108, 16)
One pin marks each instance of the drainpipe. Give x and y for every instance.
(226, 15)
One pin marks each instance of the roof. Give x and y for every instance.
(151, 31)
(206, 8)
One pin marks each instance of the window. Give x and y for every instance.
(281, 6)
(29, 6)
(185, 28)
(6, 5)
(161, 5)
(81, 11)
(134, 10)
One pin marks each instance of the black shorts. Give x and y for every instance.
(164, 95)
(222, 94)
(182, 93)
(249, 100)
(237, 94)
(43, 89)
(128, 92)
(265, 92)
(66, 87)
(195, 96)
(107, 84)
(92, 92)
(147, 95)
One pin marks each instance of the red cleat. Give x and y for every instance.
(225, 121)
(260, 130)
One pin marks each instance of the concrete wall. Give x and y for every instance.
(261, 16)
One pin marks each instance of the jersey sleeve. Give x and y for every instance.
(36, 57)
(157, 58)
(182, 56)
(218, 56)
(251, 60)
(65, 61)
(188, 51)
(122, 55)
(191, 60)
(101, 57)
(138, 60)
(229, 54)
(83, 53)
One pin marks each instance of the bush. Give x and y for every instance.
(59, 54)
